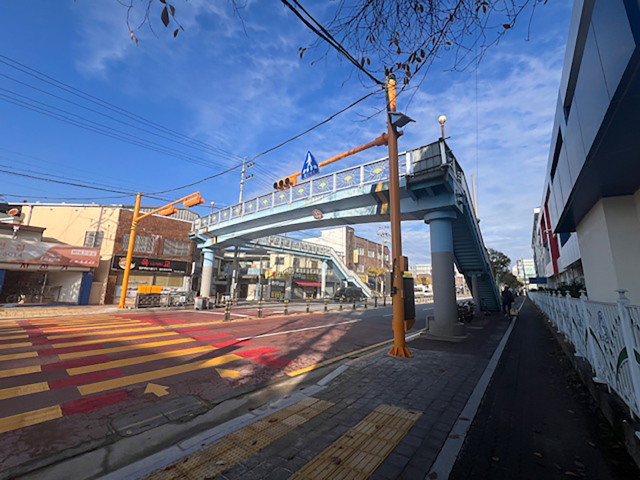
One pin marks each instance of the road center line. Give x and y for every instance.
(301, 329)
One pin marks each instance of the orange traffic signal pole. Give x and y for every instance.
(166, 210)
(399, 348)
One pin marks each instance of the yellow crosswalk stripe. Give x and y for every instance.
(18, 356)
(23, 390)
(30, 418)
(136, 329)
(14, 372)
(125, 362)
(155, 374)
(14, 337)
(116, 339)
(92, 327)
(16, 345)
(126, 348)
(11, 331)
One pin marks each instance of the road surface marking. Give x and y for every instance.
(89, 327)
(222, 313)
(157, 390)
(133, 330)
(14, 372)
(14, 337)
(23, 390)
(11, 332)
(30, 418)
(17, 356)
(117, 339)
(105, 351)
(228, 373)
(125, 362)
(154, 375)
(16, 345)
(300, 330)
(390, 315)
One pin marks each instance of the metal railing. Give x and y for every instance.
(607, 335)
(315, 189)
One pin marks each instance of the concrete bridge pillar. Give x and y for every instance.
(207, 272)
(445, 322)
(323, 285)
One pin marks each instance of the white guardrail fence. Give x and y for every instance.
(607, 335)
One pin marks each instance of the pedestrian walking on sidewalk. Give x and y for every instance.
(507, 301)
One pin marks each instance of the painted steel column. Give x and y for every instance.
(207, 273)
(444, 287)
(474, 291)
(323, 287)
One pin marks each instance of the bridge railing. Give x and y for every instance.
(607, 335)
(315, 188)
(293, 244)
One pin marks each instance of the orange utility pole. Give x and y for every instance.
(166, 210)
(399, 348)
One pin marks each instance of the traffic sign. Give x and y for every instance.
(309, 167)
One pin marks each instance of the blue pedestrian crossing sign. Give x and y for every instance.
(309, 167)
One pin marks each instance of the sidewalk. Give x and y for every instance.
(537, 420)
(386, 418)
(381, 417)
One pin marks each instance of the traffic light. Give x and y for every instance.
(165, 212)
(286, 182)
(192, 202)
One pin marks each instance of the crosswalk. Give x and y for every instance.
(51, 368)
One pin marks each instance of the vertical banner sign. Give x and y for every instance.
(309, 167)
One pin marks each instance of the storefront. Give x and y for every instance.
(35, 272)
(171, 275)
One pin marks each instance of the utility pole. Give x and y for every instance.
(243, 178)
(399, 348)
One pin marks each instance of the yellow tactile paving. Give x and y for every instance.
(14, 372)
(23, 390)
(358, 453)
(18, 356)
(154, 375)
(126, 348)
(222, 455)
(115, 339)
(136, 329)
(30, 418)
(15, 345)
(125, 362)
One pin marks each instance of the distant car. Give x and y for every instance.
(349, 294)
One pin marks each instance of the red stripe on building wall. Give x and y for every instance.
(86, 405)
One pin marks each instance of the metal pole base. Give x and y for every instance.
(402, 352)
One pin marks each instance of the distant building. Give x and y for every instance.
(163, 254)
(420, 269)
(524, 269)
(588, 226)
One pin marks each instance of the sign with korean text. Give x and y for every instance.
(13, 250)
(152, 265)
(309, 167)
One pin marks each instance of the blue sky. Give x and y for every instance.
(245, 89)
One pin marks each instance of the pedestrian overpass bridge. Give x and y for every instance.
(433, 189)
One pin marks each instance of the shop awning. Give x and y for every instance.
(309, 284)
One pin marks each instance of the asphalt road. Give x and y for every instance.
(64, 379)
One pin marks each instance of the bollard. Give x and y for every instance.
(326, 304)
(341, 303)
(354, 304)
(286, 306)
(227, 311)
(307, 304)
(384, 299)
(375, 302)
(365, 303)
(260, 307)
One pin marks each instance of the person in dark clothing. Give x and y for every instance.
(507, 301)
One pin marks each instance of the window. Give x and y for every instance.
(379, 255)
(175, 248)
(360, 268)
(93, 239)
(314, 264)
(386, 258)
(296, 262)
(143, 244)
(371, 254)
(360, 251)
(556, 155)
(279, 260)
